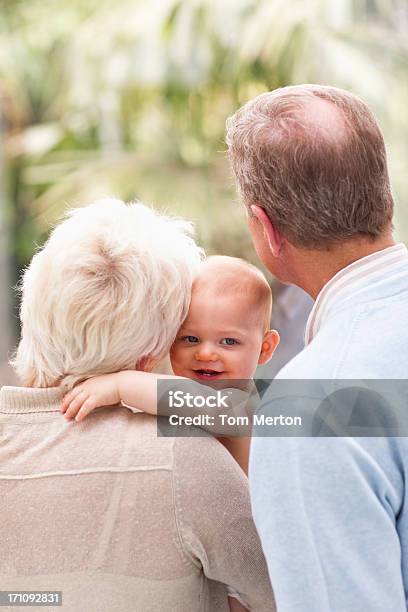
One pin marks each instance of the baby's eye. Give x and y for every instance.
(190, 339)
(229, 341)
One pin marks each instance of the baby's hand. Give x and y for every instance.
(92, 393)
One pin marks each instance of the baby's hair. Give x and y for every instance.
(236, 274)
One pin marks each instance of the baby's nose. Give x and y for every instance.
(205, 353)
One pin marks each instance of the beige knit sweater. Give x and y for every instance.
(118, 518)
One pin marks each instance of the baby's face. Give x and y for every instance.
(220, 339)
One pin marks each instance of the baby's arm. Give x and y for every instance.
(129, 387)
(133, 389)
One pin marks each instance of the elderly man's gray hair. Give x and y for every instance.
(314, 159)
(111, 286)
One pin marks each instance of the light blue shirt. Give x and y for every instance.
(332, 513)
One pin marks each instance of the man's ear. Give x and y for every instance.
(275, 239)
(269, 344)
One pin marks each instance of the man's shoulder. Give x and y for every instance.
(314, 361)
(365, 341)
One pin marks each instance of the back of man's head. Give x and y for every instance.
(313, 157)
(111, 286)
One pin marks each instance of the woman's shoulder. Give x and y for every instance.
(204, 469)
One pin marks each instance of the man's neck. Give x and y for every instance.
(311, 270)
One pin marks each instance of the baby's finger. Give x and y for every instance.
(87, 407)
(70, 396)
(75, 405)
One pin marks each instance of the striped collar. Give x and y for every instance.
(361, 272)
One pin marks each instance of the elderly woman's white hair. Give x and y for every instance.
(110, 287)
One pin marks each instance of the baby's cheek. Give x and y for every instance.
(247, 365)
(177, 356)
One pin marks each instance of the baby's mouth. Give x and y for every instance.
(206, 373)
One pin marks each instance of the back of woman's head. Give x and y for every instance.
(110, 287)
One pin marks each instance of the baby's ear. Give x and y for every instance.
(145, 364)
(269, 343)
